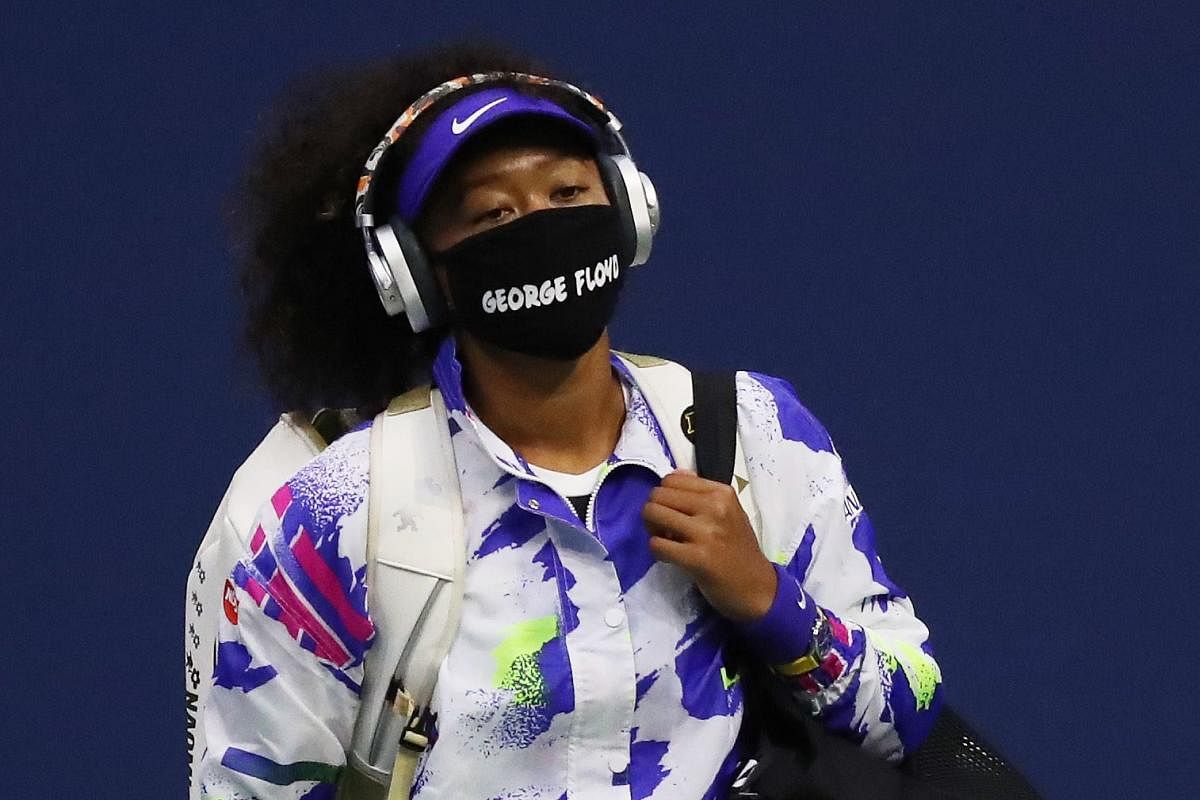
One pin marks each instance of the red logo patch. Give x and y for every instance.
(230, 602)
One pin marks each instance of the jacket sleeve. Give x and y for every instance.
(877, 682)
(293, 633)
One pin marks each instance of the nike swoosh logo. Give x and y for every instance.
(457, 127)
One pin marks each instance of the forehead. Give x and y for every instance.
(515, 163)
(517, 144)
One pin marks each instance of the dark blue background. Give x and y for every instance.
(967, 233)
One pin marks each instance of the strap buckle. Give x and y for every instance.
(415, 735)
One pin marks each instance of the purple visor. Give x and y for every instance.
(455, 126)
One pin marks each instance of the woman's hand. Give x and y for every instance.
(699, 526)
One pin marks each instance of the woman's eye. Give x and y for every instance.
(491, 215)
(568, 193)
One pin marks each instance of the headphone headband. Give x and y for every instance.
(363, 205)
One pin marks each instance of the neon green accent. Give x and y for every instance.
(728, 681)
(516, 659)
(781, 558)
(922, 672)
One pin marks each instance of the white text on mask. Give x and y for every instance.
(551, 291)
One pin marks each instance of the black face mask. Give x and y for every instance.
(543, 285)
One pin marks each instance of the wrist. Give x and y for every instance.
(784, 633)
(819, 643)
(761, 597)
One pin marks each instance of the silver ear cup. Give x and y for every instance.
(404, 297)
(642, 198)
(385, 285)
(651, 201)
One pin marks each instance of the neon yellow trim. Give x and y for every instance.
(516, 659)
(800, 666)
(523, 638)
(922, 672)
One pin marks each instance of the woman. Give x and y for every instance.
(602, 584)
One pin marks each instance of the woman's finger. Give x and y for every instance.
(675, 524)
(672, 552)
(685, 500)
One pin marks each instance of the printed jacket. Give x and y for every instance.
(583, 668)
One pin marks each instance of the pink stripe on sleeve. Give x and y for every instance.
(281, 500)
(328, 647)
(327, 583)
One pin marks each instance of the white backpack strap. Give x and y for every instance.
(667, 387)
(416, 558)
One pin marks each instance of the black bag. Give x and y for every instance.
(792, 755)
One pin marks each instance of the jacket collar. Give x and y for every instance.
(641, 440)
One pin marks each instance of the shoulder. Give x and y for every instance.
(306, 562)
(333, 484)
(799, 482)
(770, 407)
(317, 519)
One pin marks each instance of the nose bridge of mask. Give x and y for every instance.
(538, 226)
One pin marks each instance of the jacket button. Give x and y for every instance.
(618, 762)
(534, 504)
(614, 617)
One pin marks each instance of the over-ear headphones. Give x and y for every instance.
(399, 266)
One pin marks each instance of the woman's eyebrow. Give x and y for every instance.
(466, 184)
